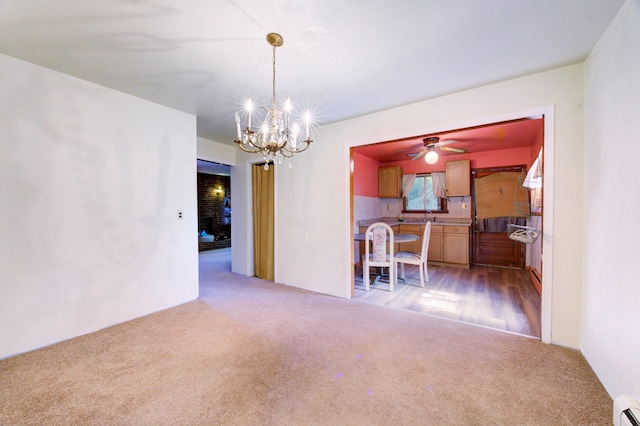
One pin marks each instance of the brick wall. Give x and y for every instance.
(214, 194)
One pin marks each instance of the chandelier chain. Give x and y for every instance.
(273, 97)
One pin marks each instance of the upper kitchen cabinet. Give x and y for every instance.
(390, 182)
(458, 178)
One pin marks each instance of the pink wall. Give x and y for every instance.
(479, 160)
(535, 148)
(365, 176)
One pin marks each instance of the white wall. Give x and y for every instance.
(91, 181)
(242, 223)
(216, 152)
(312, 207)
(611, 296)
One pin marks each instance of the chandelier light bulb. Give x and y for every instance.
(249, 110)
(238, 126)
(307, 121)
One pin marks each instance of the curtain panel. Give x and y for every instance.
(407, 182)
(439, 180)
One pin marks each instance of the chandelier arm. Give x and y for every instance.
(251, 151)
(286, 153)
(307, 143)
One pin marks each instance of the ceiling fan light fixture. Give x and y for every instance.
(431, 157)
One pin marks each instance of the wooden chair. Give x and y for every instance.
(419, 259)
(379, 236)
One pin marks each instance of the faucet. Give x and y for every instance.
(427, 212)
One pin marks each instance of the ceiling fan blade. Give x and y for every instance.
(452, 149)
(409, 149)
(419, 155)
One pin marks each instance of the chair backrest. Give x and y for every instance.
(425, 241)
(379, 233)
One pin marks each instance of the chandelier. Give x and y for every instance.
(280, 135)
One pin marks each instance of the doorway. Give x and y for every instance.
(544, 119)
(214, 205)
(491, 245)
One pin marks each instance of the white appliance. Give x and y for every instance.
(626, 411)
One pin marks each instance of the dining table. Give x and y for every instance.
(397, 239)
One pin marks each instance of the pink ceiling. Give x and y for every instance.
(506, 135)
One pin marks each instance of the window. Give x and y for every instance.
(421, 197)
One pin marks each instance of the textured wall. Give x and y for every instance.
(91, 184)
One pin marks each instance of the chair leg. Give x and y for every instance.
(421, 276)
(392, 276)
(401, 269)
(365, 275)
(426, 272)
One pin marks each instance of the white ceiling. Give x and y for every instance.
(341, 58)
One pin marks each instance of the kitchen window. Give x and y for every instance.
(421, 197)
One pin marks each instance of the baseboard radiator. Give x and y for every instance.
(626, 411)
(536, 280)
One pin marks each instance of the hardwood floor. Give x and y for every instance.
(495, 297)
(490, 296)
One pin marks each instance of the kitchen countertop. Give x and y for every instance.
(393, 221)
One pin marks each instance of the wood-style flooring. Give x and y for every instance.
(495, 297)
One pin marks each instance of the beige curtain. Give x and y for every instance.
(533, 181)
(407, 182)
(439, 180)
(263, 221)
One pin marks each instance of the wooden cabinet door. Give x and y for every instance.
(390, 182)
(496, 249)
(456, 248)
(435, 244)
(412, 246)
(458, 178)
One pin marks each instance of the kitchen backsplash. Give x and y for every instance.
(373, 207)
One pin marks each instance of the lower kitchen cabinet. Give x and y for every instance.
(448, 244)
(456, 245)
(435, 244)
(413, 246)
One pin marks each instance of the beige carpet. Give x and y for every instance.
(251, 352)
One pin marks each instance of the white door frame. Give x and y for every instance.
(548, 112)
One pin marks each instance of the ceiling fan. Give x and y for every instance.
(432, 144)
